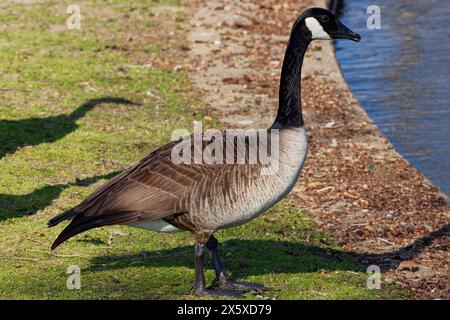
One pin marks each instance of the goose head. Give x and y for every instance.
(322, 24)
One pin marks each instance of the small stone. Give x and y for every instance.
(334, 143)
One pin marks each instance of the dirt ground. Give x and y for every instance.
(354, 184)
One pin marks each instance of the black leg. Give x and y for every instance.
(223, 286)
(221, 273)
(199, 281)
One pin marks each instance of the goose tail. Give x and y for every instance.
(82, 223)
(69, 214)
(71, 230)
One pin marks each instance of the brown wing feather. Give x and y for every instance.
(148, 187)
(152, 189)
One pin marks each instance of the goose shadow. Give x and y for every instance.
(14, 206)
(34, 131)
(246, 258)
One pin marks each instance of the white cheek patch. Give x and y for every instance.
(316, 29)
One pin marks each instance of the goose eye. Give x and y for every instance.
(324, 18)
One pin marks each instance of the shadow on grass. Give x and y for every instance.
(34, 131)
(241, 257)
(256, 257)
(14, 206)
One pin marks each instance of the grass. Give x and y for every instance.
(74, 110)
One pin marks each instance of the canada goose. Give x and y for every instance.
(161, 195)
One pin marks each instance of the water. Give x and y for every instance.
(401, 76)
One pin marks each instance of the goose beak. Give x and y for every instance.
(345, 33)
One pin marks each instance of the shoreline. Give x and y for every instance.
(332, 6)
(354, 184)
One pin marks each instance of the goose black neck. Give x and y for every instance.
(290, 107)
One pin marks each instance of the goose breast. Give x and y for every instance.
(242, 192)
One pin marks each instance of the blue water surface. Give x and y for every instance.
(401, 76)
